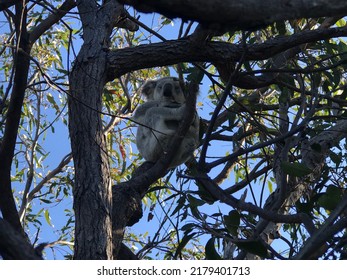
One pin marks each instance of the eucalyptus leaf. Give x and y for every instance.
(296, 169)
(210, 250)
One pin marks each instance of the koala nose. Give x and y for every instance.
(167, 90)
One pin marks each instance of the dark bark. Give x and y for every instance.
(13, 246)
(185, 50)
(126, 254)
(244, 15)
(92, 188)
(22, 61)
(127, 206)
(8, 3)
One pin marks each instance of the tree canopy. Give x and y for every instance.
(268, 179)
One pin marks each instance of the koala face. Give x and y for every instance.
(168, 90)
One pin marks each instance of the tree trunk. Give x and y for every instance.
(92, 190)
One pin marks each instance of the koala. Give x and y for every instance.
(158, 119)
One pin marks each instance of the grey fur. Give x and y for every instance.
(159, 118)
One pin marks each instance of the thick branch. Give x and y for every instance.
(7, 146)
(184, 50)
(244, 15)
(8, 3)
(13, 246)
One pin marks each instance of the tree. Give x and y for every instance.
(268, 180)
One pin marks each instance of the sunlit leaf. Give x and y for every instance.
(48, 217)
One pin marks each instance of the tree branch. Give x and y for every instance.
(125, 60)
(27, 197)
(13, 246)
(218, 193)
(325, 232)
(92, 187)
(51, 19)
(8, 3)
(244, 15)
(315, 161)
(7, 146)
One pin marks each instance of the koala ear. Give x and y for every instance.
(148, 89)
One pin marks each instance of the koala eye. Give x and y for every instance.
(160, 87)
(177, 88)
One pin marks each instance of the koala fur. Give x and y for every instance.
(158, 119)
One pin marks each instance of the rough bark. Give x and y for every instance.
(185, 50)
(244, 15)
(127, 206)
(92, 188)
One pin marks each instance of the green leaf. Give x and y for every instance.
(183, 243)
(195, 212)
(195, 202)
(48, 218)
(166, 21)
(253, 247)
(269, 185)
(205, 195)
(232, 222)
(180, 205)
(336, 158)
(45, 201)
(210, 250)
(341, 23)
(281, 27)
(188, 227)
(296, 169)
(330, 198)
(304, 207)
(195, 74)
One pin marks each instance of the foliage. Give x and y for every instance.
(265, 144)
